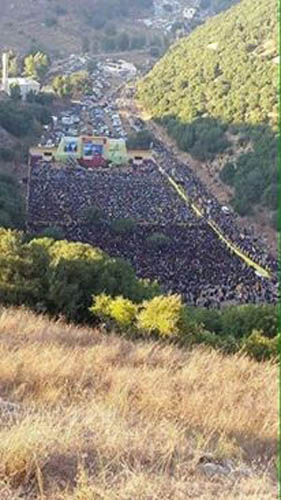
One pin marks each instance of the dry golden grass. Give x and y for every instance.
(99, 417)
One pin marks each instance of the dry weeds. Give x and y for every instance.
(99, 417)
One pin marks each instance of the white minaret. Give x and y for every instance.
(5, 72)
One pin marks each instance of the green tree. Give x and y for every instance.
(227, 174)
(110, 29)
(122, 311)
(13, 64)
(123, 226)
(11, 203)
(260, 347)
(161, 315)
(62, 86)
(50, 22)
(240, 321)
(55, 233)
(93, 215)
(85, 44)
(138, 42)
(158, 241)
(36, 65)
(140, 140)
(108, 44)
(15, 92)
(80, 82)
(123, 42)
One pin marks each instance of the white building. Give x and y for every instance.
(25, 85)
(189, 13)
(120, 68)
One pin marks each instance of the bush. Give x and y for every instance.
(240, 321)
(140, 140)
(198, 335)
(275, 221)
(15, 92)
(158, 241)
(161, 316)
(123, 42)
(63, 276)
(77, 83)
(154, 51)
(110, 29)
(203, 138)
(122, 311)
(109, 44)
(60, 11)
(43, 98)
(101, 306)
(123, 226)
(12, 212)
(259, 347)
(227, 174)
(21, 119)
(93, 215)
(7, 154)
(55, 233)
(50, 22)
(209, 318)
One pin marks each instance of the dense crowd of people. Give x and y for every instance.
(59, 193)
(192, 262)
(209, 206)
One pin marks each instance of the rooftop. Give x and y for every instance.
(22, 81)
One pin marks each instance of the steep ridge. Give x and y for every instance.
(225, 68)
(61, 27)
(215, 92)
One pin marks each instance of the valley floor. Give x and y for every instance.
(85, 415)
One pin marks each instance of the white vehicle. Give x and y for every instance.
(226, 210)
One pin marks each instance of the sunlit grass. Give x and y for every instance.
(99, 417)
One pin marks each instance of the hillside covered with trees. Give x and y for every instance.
(222, 79)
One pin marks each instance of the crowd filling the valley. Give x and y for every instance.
(193, 261)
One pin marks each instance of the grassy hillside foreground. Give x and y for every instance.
(87, 416)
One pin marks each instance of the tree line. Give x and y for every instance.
(33, 65)
(11, 201)
(85, 285)
(22, 119)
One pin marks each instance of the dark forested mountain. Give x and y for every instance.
(223, 77)
(226, 68)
